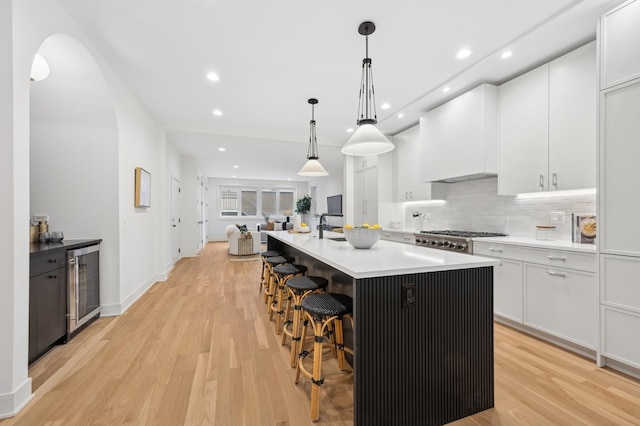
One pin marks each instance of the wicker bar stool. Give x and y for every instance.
(269, 288)
(299, 288)
(325, 311)
(264, 276)
(282, 274)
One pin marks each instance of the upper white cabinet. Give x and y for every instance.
(406, 165)
(460, 138)
(620, 44)
(547, 126)
(524, 132)
(364, 161)
(366, 195)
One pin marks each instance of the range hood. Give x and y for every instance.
(474, 176)
(459, 139)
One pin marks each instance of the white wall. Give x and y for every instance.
(74, 154)
(143, 251)
(15, 386)
(217, 225)
(188, 214)
(476, 206)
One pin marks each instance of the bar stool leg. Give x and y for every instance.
(339, 342)
(316, 380)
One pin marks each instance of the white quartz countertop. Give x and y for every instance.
(385, 258)
(532, 242)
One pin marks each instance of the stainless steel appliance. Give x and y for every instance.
(83, 276)
(458, 241)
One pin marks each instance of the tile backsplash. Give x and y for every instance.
(475, 206)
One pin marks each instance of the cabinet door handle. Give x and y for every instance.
(563, 259)
(53, 277)
(495, 250)
(541, 181)
(557, 274)
(554, 180)
(53, 261)
(411, 195)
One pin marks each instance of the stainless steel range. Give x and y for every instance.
(458, 241)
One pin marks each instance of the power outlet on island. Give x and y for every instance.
(556, 217)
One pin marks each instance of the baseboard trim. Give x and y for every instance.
(12, 403)
(115, 309)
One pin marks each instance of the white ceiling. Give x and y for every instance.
(271, 56)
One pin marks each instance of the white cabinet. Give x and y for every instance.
(619, 172)
(547, 126)
(406, 170)
(620, 44)
(547, 289)
(507, 289)
(620, 308)
(398, 236)
(460, 138)
(562, 302)
(364, 161)
(366, 196)
(618, 195)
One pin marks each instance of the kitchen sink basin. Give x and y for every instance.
(337, 239)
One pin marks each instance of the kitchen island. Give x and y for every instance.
(423, 337)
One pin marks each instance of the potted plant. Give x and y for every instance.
(303, 205)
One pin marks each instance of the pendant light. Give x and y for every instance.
(367, 139)
(313, 166)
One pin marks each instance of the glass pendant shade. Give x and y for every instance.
(367, 140)
(312, 167)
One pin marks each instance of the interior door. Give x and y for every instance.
(199, 215)
(175, 219)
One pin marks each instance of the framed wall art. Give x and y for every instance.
(143, 188)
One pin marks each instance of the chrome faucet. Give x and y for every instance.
(321, 226)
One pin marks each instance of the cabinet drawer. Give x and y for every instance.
(548, 257)
(47, 261)
(562, 302)
(617, 342)
(398, 237)
(620, 287)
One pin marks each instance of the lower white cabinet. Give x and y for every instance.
(550, 289)
(561, 302)
(507, 289)
(620, 339)
(620, 309)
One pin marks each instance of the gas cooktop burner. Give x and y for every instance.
(465, 234)
(459, 241)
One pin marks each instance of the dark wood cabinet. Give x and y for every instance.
(47, 301)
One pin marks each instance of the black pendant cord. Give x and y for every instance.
(312, 153)
(367, 103)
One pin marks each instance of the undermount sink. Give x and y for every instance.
(337, 239)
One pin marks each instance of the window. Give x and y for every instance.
(237, 201)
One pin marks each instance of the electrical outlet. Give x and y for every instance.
(556, 217)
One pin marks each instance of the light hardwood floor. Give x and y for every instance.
(199, 349)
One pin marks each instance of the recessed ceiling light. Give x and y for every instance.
(464, 53)
(385, 106)
(446, 89)
(235, 167)
(233, 176)
(288, 178)
(222, 149)
(349, 130)
(213, 76)
(401, 115)
(506, 54)
(217, 112)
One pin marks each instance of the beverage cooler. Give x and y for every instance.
(84, 286)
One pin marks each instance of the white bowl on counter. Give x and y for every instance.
(362, 238)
